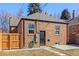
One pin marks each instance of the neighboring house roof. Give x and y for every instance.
(14, 20)
(74, 21)
(44, 17)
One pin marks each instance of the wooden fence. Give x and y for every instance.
(9, 41)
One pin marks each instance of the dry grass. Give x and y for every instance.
(71, 52)
(40, 52)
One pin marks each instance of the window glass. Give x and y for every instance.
(31, 27)
(57, 29)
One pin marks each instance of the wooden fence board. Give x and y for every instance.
(5, 41)
(5, 45)
(9, 41)
(0, 41)
(14, 41)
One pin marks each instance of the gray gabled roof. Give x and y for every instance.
(43, 16)
(74, 21)
(38, 16)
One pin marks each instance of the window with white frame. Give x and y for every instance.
(57, 29)
(31, 28)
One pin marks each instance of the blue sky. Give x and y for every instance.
(51, 8)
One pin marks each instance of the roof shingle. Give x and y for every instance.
(43, 16)
(38, 16)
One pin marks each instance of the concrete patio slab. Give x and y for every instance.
(66, 47)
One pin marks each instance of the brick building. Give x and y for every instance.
(41, 28)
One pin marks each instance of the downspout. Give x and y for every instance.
(35, 31)
(67, 41)
(23, 34)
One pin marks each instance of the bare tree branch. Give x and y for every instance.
(4, 18)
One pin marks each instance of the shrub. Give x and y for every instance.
(31, 44)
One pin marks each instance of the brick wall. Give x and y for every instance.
(73, 31)
(20, 31)
(50, 33)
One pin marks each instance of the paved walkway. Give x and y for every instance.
(56, 52)
(66, 47)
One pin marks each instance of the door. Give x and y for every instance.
(42, 38)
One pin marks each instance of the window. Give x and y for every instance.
(57, 30)
(31, 27)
